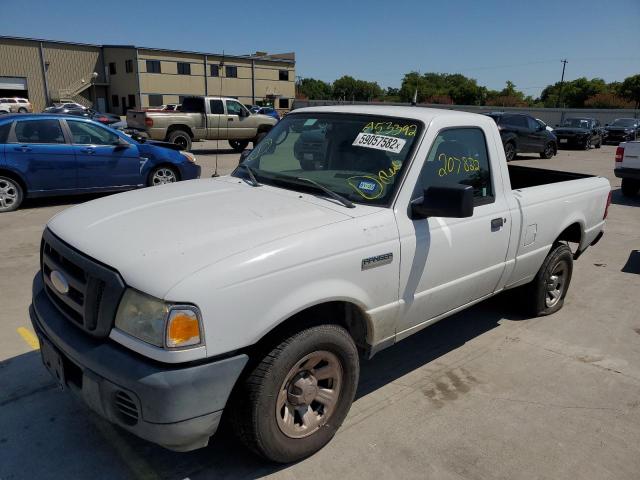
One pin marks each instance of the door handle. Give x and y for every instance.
(497, 223)
(23, 148)
(230, 119)
(88, 151)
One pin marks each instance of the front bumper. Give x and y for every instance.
(176, 407)
(622, 172)
(571, 141)
(190, 171)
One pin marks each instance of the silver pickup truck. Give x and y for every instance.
(204, 118)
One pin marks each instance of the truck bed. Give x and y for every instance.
(523, 177)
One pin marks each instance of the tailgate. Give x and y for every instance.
(631, 158)
(136, 119)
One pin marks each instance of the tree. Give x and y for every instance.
(460, 89)
(314, 89)
(349, 88)
(630, 89)
(574, 92)
(607, 100)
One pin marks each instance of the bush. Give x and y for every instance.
(607, 100)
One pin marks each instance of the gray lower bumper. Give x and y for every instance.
(622, 172)
(174, 406)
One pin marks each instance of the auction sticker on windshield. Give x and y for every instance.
(379, 142)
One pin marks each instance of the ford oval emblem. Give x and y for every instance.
(59, 282)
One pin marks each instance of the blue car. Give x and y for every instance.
(272, 112)
(45, 155)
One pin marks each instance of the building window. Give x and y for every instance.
(184, 68)
(128, 66)
(132, 101)
(115, 101)
(283, 103)
(153, 66)
(232, 72)
(283, 75)
(155, 100)
(215, 70)
(112, 68)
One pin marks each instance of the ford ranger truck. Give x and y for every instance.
(203, 118)
(346, 230)
(628, 167)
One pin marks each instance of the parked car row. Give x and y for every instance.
(81, 111)
(48, 154)
(522, 133)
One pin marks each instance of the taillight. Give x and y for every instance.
(619, 154)
(606, 209)
(148, 122)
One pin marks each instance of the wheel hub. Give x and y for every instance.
(303, 390)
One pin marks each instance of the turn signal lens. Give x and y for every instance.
(619, 154)
(183, 328)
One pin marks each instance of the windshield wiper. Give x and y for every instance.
(345, 201)
(254, 182)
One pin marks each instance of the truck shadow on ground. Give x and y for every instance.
(42, 423)
(70, 200)
(619, 199)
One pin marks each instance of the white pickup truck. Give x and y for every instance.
(628, 167)
(346, 230)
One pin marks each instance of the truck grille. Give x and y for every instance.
(85, 291)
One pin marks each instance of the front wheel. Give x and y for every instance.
(510, 151)
(295, 399)
(238, 145)
(587, 144)
(11, 194)
(162, 175)
(549, 151)
(599, 144)
(546, 292)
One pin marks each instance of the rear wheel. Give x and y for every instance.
(22, 110)
(162, 175)
(180, 138)
(510, 151)
(630, 187)
(599, 144)
(295, 399)
(549, 151)
(545, 294)
(11, 194)
(238, 145)
(587, 144)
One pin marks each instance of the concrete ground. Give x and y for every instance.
(486, 394)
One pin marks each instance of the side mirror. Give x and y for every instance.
(243, 156)
(541, 128)
(452, 201)
(243, 113)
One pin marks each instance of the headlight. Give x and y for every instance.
(189, 156)
(157, 322)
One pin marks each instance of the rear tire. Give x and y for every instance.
(509, 151)
(11, 194)
(545, 294)
(22, 110)
(548, 152)
(239, 145)
(294, 400)
(587, 144)
(180, 138)
(629, 187)
(599, 144)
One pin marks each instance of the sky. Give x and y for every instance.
(490, 40)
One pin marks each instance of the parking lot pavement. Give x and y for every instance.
(487, 393)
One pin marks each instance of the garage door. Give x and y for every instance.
(13, 83)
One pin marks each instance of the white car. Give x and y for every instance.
(346, 230)
(627, 167)
(15, 105)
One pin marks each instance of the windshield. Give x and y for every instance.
(576, 123)
(624, 122)
(360, 157)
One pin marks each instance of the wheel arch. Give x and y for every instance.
(5, 172)
(179, 126)
(264, 128)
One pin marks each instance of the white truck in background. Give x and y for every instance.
(346, 230)
(628, 167)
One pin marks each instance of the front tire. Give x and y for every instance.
(238, 145)
(295, 399)
(162, 175)
(545, 294)
(630, 187)
(548, 152)
(510, 151)
(180, 138)
(587, 144)
(11, 194)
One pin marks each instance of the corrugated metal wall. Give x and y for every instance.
(19, 58)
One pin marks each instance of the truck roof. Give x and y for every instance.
(417, 113)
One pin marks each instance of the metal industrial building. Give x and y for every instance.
(115, 78)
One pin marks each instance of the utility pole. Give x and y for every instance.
(564, 64)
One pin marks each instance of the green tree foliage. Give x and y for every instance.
(314, 89)
(348, 88)
(441, 88)
(607, 100)
(574, 93)
(630, 89)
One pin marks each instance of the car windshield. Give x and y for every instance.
(360, 157)
(576, 123)
(624, 122)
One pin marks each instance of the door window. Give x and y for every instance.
(233, 108)
(533, 124)
(39, 131)
(88, 134)
(458, 155)
(514, 121)
(216, 107)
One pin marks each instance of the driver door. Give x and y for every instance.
(103, 162)
(239, 123)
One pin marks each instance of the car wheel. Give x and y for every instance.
(238, 145)
(259, 138)
(294, 400)
(22, 110)
(548, 151)
(599, 144)
(180, 138)
(162, 175)
(546, 292)
(630, 187)
(11, 194)
(587, 144)
(509, 151)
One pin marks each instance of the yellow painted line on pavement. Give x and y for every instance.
(29, 337)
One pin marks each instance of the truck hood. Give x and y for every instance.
(157, 236)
